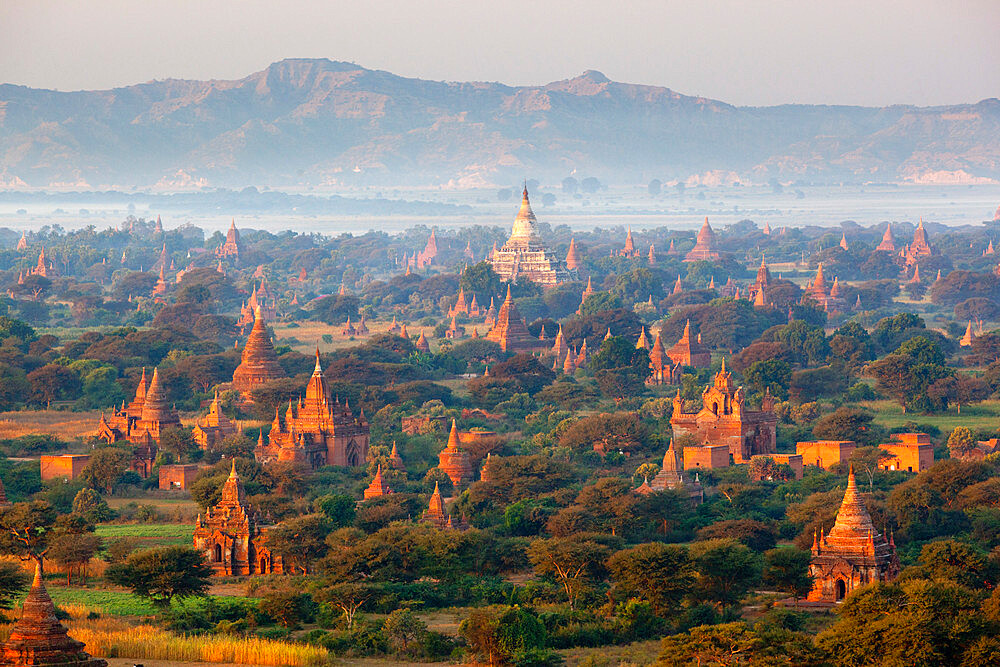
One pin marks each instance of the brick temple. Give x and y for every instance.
(725, 419)
(259, 362)
(38, 638)
(231, 537)
(510, 331)
(852, 554)
(318, 430)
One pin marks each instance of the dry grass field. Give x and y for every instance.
(61, 424)
(310, 334)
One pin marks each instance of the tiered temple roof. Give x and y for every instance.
(510, 331)
(230, 534)
(524, 255)
(214, 428)
(888, 243)
(688, 351)
(317, 430)
(853, 553)
(232, 246)
(725, 419)
(38, 638)
(141, 422)
(704, 247)
(259, 362)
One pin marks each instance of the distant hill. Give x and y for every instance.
(320, 121)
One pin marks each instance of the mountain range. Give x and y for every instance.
(320, 122)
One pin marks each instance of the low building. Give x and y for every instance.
(178, 477)
(825, 453)
(709, 457)
(63, 466)
(671, 477)
(912, 452)
(793, 461)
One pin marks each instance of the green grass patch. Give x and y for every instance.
(149, 534)
(115, 603)
(121, 603)
(983, 415)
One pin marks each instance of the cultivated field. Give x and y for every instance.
(985, 415)
(64, 425)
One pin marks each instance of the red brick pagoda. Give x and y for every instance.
(259, 363)
(510, 331)
(852, 554)
(38, 638)
(704, 247)
(318, 430)
(230, 535)
(725, 419)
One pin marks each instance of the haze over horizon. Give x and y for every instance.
(853, 53)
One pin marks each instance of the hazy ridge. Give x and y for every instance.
(321, 122)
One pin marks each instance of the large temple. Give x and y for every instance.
(232, 246)
(317, 430)
(38, 638)
(524, 255)
(823, 294)
(259, 362)
(704, 247)
(919, 247)
(142, 420)
(231, 537)
(261, 302)
(854, 553)
(724, 419)
(214, 428)
(510, 331)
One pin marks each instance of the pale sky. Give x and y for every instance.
(756, 52)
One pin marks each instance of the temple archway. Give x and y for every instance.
(841, 589)
(217, 553)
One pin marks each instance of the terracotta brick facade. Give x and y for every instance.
(706, 456)
(65, 466)
(825, 453)
(178, 477)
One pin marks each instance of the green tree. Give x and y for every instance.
(288, 607)
(402, 627)
(740, 644)
(961, 441)
(13, 582)
(570, 561)
(849, 424)
(951, 560)
(90, 505)
(28, 529)
(300, 540)
(502, 634)
(620, 368)
(661, 574)
(771, 375)
(161, 574)
(338, 508)
(348, 597)
(727, 570)
(106, 467)
(916, 622)
(787, 569)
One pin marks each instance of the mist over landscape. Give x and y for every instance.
(522, 334)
